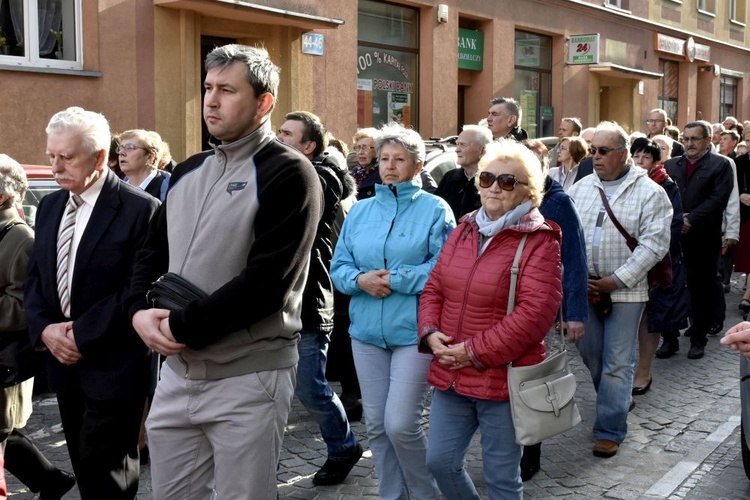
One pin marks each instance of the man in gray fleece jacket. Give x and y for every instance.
(239, 223)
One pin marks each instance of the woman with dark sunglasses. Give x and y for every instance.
(463, 321)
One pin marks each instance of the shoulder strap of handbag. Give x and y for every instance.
(514, 280)
(8, 227)
(632, 242)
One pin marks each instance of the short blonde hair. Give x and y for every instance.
(13, 182)
(150, 141)
(668, 142)
(511, 151)
(365, 133)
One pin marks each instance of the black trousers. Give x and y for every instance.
(102, 439)
(701, 255)
(24, 460)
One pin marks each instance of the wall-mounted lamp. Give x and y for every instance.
(442, 13)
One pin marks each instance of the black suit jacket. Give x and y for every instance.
(115, 362)
(705, 197)
(586, 167)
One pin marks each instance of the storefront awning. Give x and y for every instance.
(612, 69)
(238, 10)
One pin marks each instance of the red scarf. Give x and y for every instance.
(658, 173)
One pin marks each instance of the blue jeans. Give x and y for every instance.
(608, 350)
(394, 389)
(319, 399)
(453, 421)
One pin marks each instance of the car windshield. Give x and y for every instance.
(38, 189)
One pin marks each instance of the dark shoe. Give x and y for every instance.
(57, 485)
(530, 461)
(605, 448)
(640, 391)
(716, 328)
(667, 349)
(354, 413)
(144, 455)
(696, 351)
(744, 305)
(335, 471)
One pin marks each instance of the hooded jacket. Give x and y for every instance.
(467, 296)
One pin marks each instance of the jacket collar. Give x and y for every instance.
(404, 191)
(241, 149)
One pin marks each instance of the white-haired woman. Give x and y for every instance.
(22, 458)
(387, 248)
(464, 324)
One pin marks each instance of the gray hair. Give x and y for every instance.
(623, 140)
(703, 125)
(511, 105)
(393, 133)
(13, 181)
(483, 134)
(262, 74)
(92, 127)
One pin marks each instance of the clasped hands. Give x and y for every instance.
(376, 282)
(59, 339)
(152, 325)
(454, 356)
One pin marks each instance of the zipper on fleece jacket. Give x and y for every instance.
(192, 238)
(385, 261)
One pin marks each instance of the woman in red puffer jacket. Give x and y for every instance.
(463, 321)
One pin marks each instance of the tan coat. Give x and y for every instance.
(15, 249)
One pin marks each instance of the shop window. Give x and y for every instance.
(532, 86)
(387, 64)
(668, 86)
(707, 7)
(737, 11)
(41, 33)
(727, 97)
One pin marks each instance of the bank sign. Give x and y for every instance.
(583, 49)
(470, 49)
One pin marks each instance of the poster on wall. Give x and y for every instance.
(399, 108)
(528, 53)
(386, 87)
(529, 101)
(364, 102)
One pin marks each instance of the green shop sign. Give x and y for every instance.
(470, 49)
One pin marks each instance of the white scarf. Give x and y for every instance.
(490, 228)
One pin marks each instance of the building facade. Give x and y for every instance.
(430, 64)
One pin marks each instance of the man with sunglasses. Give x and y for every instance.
(705, 179)
(617, 285)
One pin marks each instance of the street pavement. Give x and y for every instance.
(683, 440)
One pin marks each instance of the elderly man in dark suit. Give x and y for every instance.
(705, 180)
(79, 273)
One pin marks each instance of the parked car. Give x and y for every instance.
(440, 156)
(41, 183)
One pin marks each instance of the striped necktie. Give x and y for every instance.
(64, 242)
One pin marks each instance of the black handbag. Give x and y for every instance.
(172, 291)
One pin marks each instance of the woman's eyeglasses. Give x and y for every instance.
(128, 148)
(507, 182)
(362, 147)
(602, 151)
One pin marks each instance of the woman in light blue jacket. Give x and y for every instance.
(387, 248)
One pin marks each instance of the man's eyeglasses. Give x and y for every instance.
(650, 122)
(602, 151)
(362, 147)
(128, 148)
(507, 182)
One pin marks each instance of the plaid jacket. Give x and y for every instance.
(644, 210)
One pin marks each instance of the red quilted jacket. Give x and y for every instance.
(466, 297)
